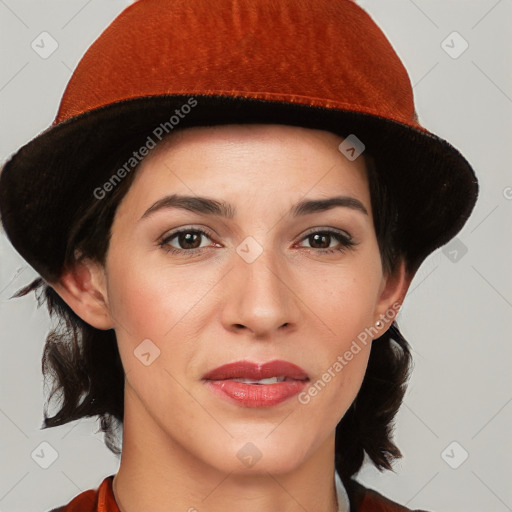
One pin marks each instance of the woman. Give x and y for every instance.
(228, 226)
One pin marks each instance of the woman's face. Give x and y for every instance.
(259, 284)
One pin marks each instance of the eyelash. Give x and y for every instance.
(346, 241)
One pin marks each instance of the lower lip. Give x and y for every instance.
(256, 395)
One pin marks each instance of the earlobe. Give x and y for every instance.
(83, 289)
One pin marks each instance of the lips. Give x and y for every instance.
(249, 384)
(254, 371)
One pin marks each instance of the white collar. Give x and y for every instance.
(341, 494)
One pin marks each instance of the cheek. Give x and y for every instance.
(343, 302)
(330, 394)
(164, 306)
(150, 301)
(344, 298)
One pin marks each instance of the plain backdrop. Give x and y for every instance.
(454, 426)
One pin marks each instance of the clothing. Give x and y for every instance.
(355, 498)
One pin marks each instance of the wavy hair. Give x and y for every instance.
(84, 366)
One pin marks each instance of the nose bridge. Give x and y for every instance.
(261, 298)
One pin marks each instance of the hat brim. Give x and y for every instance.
(42, 185)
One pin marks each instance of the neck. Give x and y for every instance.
(156, 473)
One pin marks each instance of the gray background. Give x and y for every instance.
(457, 312)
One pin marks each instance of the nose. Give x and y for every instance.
(260, 297)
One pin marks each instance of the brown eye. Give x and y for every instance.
(322, 240)
(184, 241)
(188, 240)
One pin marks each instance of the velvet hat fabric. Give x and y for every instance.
(162, 65)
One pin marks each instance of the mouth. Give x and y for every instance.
(258, 373)
(250, 384)
(270, 380)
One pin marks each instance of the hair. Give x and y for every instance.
(85, 369)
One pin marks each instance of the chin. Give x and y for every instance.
(259, 454)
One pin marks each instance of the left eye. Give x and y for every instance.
(345, 241)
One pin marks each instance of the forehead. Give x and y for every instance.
(249, 163)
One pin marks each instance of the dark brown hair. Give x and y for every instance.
(85, 367)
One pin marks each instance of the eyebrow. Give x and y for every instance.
(209, 206)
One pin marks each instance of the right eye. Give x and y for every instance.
(187, 238)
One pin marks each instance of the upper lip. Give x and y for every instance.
(257, 371)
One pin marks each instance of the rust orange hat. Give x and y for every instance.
(167, 64)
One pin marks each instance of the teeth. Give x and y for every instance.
(271, 380)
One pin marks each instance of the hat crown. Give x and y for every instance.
(326, 53)
(320, 64)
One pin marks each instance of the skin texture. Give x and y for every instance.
(294, 302)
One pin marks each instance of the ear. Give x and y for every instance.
(83, 288)
(391, 296)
